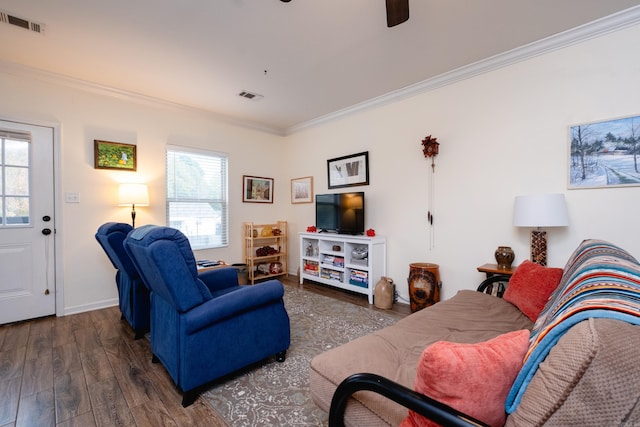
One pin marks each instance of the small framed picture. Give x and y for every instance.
(348, 171)
(256, 189)
(302, 190)
(114, 155)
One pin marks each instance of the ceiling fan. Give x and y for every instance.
(397, 11)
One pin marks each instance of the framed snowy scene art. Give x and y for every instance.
(605, 154)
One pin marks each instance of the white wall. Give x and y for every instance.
(83, 116)
(501, 134)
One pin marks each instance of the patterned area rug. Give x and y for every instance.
(277, 394)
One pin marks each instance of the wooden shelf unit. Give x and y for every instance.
(254, 238)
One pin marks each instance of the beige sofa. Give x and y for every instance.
(589, 375)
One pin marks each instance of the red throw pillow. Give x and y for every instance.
(472, 378)
(530, 287)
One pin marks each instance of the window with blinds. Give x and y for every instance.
(197, 196)
(15, 200)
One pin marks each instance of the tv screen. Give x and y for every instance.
(340, 213)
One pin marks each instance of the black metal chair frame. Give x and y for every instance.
(487, 283)
(423, 405)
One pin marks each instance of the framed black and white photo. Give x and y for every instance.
(348, 171)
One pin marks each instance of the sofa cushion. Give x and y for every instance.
(472, 378)
(590, 377)
(530, 287)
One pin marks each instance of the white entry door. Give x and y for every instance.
(27, 231)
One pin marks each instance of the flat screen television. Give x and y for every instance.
(340, 213)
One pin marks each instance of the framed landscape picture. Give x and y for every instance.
(302, 190)
(605, 154)
(348, 171)
(114, 155)
(257, 189)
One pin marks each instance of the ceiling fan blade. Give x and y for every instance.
(397, 12)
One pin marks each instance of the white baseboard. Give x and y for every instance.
(89, 307)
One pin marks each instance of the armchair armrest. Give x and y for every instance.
(219, 278)
(423, 405)
(230, 304)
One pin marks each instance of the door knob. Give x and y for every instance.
(46, 231)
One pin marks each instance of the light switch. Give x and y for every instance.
(72, 197)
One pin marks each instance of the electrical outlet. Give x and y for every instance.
(72, 197)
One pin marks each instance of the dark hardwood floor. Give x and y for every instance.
(87, 370)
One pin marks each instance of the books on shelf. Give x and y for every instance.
(336, 261)
(359, 278)
(329, 274)
(311, 267)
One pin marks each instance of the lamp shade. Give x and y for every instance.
(133, 194)
(541, 210)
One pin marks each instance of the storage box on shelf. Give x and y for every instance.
(265, 250)
(348, 262)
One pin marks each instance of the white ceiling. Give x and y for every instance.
(309, 58)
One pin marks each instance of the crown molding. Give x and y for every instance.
(597, 28)
(609, 24)
(20, 70)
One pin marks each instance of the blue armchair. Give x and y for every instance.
(133, 295)
(205, 326)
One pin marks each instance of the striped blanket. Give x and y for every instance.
(599, 280)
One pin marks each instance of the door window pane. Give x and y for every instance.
(15, 171)
(16, 153)
(17, 210)
(17, 181)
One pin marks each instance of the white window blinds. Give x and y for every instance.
(197, 196)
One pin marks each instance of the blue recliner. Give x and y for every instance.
(204, 326)
(133, 295)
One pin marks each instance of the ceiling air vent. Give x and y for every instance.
(250, 95)
(11, 19)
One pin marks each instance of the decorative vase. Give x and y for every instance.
(504, 256)
(383, 293)
(360, 253)
(424, 285)
(275, 268)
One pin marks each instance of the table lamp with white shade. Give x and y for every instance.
(133, 194)
(537, 211)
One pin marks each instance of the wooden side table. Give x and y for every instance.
(201, 268)
(494, 284)
(492, 269)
